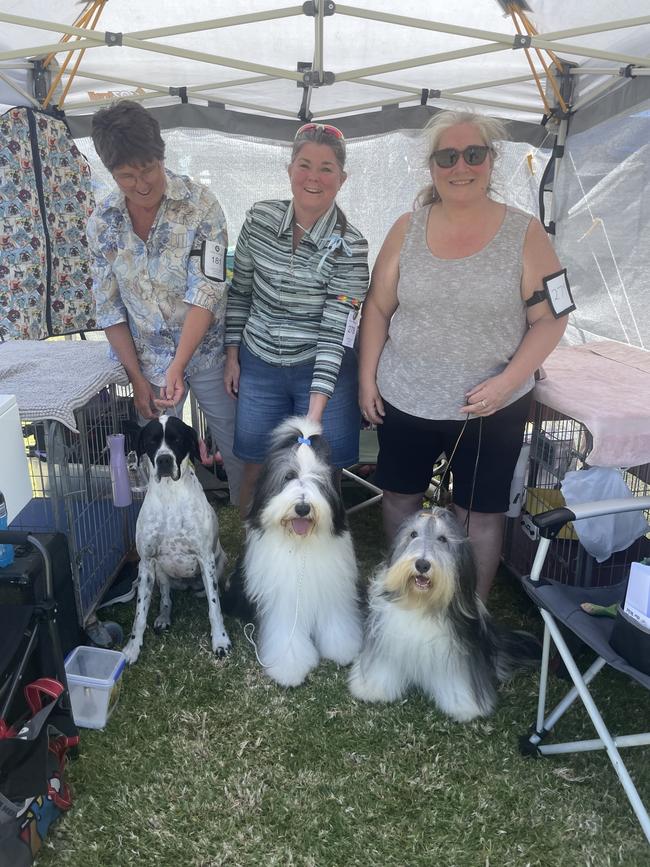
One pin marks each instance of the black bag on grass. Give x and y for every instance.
(33, 791)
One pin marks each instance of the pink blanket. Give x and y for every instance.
(606, 386)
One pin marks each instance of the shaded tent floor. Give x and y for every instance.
(207, 762)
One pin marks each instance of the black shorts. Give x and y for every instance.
(409, 446)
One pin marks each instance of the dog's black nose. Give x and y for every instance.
(303, 509)
(165, 465)
(422, 565)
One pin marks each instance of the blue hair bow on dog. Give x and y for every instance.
(304, 441)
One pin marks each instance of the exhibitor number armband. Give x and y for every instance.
(557, 292)
(213, 260)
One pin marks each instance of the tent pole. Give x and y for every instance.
(556, 156)
(490, 103)
(218, 23)
(144, 97)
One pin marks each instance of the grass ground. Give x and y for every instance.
(207, 763)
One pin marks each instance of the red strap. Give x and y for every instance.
(62, 798)
(59, 746)
(6, 731)
(43, 686)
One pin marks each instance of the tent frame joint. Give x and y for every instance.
(427, 94)
(40, 80)
(628, 71)
(310, 8)
(113, 39)
(521, 40)
(312, 78)
(181, 92)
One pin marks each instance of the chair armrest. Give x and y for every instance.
(551, 522)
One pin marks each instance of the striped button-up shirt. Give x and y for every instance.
(291, 307)
(150, 284)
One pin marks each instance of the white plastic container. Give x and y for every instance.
(94, 680)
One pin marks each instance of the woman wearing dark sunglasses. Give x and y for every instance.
(449, 346)
(300, 276)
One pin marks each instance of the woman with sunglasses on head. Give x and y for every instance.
(454, 327)
(300, 275)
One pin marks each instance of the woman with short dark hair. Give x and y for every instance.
(159, 243)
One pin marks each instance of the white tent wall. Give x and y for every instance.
(603, 227)
(385, 173)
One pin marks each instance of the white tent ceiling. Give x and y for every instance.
(238, 61)
(251, 65)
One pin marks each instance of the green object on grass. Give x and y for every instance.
(599, 610)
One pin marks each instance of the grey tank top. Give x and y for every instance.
(459, 321)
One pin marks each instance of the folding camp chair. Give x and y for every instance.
(368, 449)
(560, 604)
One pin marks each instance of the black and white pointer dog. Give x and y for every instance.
(177, 533)
(298, 570)
(427, 628)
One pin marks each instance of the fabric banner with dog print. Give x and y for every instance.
(46, 199)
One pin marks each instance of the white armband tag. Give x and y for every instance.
(213, 261)
(351, 328)
(558, 293)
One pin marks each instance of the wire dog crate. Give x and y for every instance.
(72, 492)
(559, 444)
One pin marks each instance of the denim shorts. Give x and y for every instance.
(268, 394)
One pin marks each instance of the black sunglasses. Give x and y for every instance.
(474, 155)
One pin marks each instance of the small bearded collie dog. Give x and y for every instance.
(428, 629)
(298, 571)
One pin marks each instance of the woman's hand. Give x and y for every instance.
(171, 393)
(317, 406)
(143, 399)
(231, 373)
(488, 397)
(371, 404)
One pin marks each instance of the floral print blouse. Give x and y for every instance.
(149, 285)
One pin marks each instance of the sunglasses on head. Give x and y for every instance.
(325, 127)
(474, 155)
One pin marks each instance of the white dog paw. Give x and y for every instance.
(161, 624)
(367, 689)
(286, 677)
(344, 654)
(221, 646)
(131, 651)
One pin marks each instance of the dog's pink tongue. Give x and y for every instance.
(300, 526)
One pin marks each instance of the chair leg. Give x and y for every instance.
(543, 680)
(545, 724)
(378, 493)
(598, 722)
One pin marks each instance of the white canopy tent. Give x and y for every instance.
(231, 90)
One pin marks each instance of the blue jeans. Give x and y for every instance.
(268, 394)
